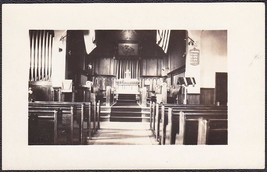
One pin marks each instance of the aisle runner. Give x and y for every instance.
(123, 133)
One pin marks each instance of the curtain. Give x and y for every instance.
(122, 65)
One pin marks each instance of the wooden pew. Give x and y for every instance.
(160, 122)
(64, 122)
(216, 128)
(78, 114)
(178, 122)
(83, 112)
(42, 127)
(155, 114)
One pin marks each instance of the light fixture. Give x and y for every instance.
(191, 41)
(128, 35)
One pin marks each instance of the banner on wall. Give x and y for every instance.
(89, 40)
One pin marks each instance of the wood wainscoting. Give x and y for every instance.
(193, 98)
(207, 96)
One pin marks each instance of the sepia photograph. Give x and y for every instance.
(127, 86)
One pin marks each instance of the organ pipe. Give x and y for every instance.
(50, 57)
(46, 55)
(39, 56)
(41, 44)
(35, 56)
(31, 55)
(43, 56)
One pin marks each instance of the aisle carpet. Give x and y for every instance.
(123, 133)
(126, 109)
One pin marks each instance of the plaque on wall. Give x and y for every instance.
(127, 49)
(194, 57)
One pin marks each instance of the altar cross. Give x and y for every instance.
(127, 74)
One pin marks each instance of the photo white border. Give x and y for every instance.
(246, 63)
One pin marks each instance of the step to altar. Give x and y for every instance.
(105, 112)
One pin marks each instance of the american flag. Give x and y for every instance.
(163, 37)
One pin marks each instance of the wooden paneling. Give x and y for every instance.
(177, 49)
(75, 56)
(207, 96)
(221, 88)
(151, 67)
(193, 98)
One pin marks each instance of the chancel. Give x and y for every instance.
(127, 87)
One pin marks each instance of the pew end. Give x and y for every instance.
(42, 127)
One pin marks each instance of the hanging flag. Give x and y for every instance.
(163, 37)
(89, 38)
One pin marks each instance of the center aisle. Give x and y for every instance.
(123, 133)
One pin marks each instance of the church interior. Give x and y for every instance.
(127, 87)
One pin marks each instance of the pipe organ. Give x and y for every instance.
(41, 45)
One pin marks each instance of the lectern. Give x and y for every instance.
(185, 82)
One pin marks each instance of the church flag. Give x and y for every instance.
(89, 38)
(163, 37)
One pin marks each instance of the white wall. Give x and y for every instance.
(213, 57)
(193, 70)
(59, 57)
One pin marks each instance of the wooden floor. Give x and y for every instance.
(123, 133)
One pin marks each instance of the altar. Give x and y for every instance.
(127, 85)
